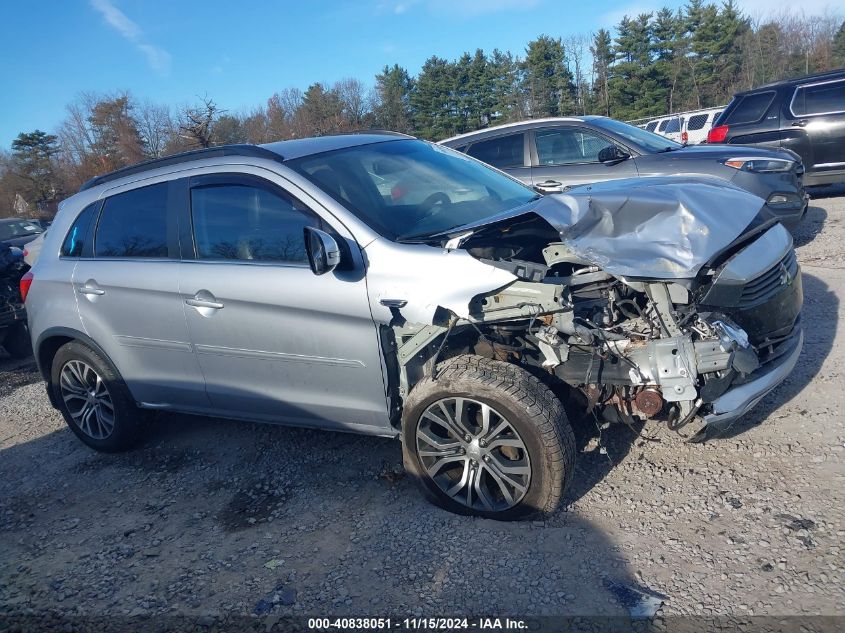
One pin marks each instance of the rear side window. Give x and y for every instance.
(750, 108)
(673, 125)
(826, 98)
(133, 224)
(249, 223)
(651, 125)
(505, 151)
(696, 121)
(75, 239)
(663, 125)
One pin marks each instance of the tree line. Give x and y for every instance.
(651, 64)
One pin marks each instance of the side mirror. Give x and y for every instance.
(613, 154)
(323, 251)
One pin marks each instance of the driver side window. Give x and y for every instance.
(249, 223)
(569, 146)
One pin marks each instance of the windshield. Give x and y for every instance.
(648, 141)
(18, 228)
(411, 188)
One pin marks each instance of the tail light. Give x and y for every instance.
(26, 252)
(26, 283)
(718, 134)
(684, 136)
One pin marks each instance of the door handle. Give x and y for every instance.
(800, 123)
(87, 290)
(204, 303)
(548, 185)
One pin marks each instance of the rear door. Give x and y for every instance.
(275, 341)
(754, 119)
(128, 297)
(696, 128)
(816, 117)
(507, 152)
(569, 155)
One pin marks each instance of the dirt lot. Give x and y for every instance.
(211, 517)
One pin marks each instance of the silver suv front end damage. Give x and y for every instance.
(696, 338)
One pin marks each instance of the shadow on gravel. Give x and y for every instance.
(810, 226)
(826, 191)
(821, 307)
(216, 518)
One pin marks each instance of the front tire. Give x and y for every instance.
(487, 438)
(93, 399)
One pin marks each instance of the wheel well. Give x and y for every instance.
(47, 351)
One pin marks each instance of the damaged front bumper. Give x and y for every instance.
(738, 400)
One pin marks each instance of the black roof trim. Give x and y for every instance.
(828, 74)
(252, 151)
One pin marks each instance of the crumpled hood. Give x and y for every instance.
(662, 227)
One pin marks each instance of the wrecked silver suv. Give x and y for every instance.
(384, 285)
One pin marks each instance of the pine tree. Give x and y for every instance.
(602, 53)
(505, 83)
(481, 90)
(547, 82)
(393, 111)
(33, 161)
(838, 47)
(432, 100)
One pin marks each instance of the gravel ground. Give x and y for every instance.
(212, 517)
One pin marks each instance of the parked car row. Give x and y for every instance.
(689, 128)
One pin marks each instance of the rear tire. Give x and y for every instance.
(487, 438)
(93, 399)
(17, 342)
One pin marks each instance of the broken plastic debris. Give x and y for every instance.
(273, 563)
(641, 602)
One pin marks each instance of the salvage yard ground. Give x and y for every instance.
(210, 517)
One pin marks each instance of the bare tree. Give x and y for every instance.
(354, 99)
(197, 124)
(156, 126)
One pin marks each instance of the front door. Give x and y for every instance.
(275, 341)
(817, 115)
(569, 155)
(128, 298)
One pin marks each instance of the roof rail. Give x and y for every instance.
(253, 151)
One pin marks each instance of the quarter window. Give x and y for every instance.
(505, 151)
(673, 125)
(826, 98)
(750, 108)
(651, 125)
(134, 224)
(696, 121)
(75, 239)
(249, 223)
(568, 146)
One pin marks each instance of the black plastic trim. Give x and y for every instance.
(251, 151)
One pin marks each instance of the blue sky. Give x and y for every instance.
(239, 53)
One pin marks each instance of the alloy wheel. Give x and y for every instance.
(87, 399)
(473, 454)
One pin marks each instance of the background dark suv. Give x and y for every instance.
(806, 115)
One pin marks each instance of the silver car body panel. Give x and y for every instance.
(426, 277)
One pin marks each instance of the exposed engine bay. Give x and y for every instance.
(695, 347)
